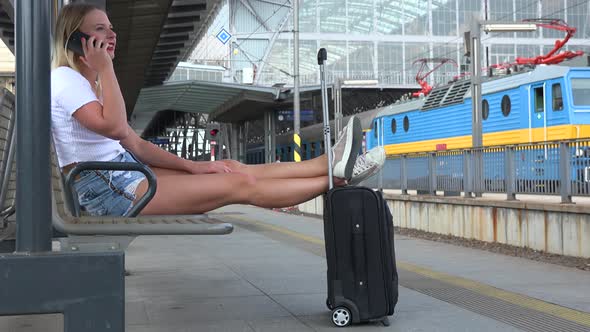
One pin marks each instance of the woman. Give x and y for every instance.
(89, 123)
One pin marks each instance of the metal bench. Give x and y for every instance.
(67, 218)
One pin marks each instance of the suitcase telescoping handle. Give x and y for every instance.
(322, 57)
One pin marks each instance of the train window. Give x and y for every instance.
(581, 91)
(539, 100)
(506, 105)
(406, 123)
(393, 126)
(485, 109)
(557, 97)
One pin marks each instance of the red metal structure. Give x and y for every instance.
(421, 77)
(552, 57)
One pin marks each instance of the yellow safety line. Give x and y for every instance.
(278, 229)
(518, 299)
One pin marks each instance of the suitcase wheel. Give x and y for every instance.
(341, 316)
(328, 304)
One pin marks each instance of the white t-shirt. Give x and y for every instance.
(74, 142)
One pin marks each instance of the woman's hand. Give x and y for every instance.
(96, 56)
(208, 167)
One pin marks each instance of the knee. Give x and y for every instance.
(245, 180)
(244, 187)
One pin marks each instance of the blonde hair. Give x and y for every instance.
(70, 19)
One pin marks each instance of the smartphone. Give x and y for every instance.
(75, 42)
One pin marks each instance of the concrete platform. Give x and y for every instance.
(269, 275)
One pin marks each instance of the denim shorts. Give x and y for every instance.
(102, 193)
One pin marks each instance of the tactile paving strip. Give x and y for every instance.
(500, 310)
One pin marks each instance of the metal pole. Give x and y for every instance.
(296, 102)
(510, 172)
(234, 143)
(241, 142)
(185, 125)
(380, 180)
(565, 172)
(226, 142)
(337, 91)
(432, 174)
(477, 136)
(404, 174)
(322, 56)
(467, 173)
(33, 107)
(269, 137)
(204, 144)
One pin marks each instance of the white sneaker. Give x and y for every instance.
(368, 164)
(346, 149)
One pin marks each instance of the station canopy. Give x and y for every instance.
(152, 37)
(225, 102)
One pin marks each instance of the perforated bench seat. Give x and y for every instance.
(143, 225)
(65, 222)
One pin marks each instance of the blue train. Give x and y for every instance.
(547, 103)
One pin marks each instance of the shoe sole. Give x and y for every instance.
(353, 145)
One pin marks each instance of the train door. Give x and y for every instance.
(538, 113)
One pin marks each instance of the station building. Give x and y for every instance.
(376, 39)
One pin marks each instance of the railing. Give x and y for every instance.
(384, 77)
(546, 168)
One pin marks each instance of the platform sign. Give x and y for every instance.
(287, 115)
(159, 140)
(223, 36)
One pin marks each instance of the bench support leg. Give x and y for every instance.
(87, 287)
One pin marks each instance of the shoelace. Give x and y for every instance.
(362, 165)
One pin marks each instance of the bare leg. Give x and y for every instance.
(305, 169)
(190, 194)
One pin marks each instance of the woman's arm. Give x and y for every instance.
(152, 155)
(109, 119)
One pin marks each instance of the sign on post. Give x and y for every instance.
(223, 36)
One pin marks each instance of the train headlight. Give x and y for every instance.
(580, 152)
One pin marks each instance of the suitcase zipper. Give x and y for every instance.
(384, 255)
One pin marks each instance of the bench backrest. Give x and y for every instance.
(7, 151)
(62, 205)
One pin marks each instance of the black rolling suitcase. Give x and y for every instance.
(358, 232)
